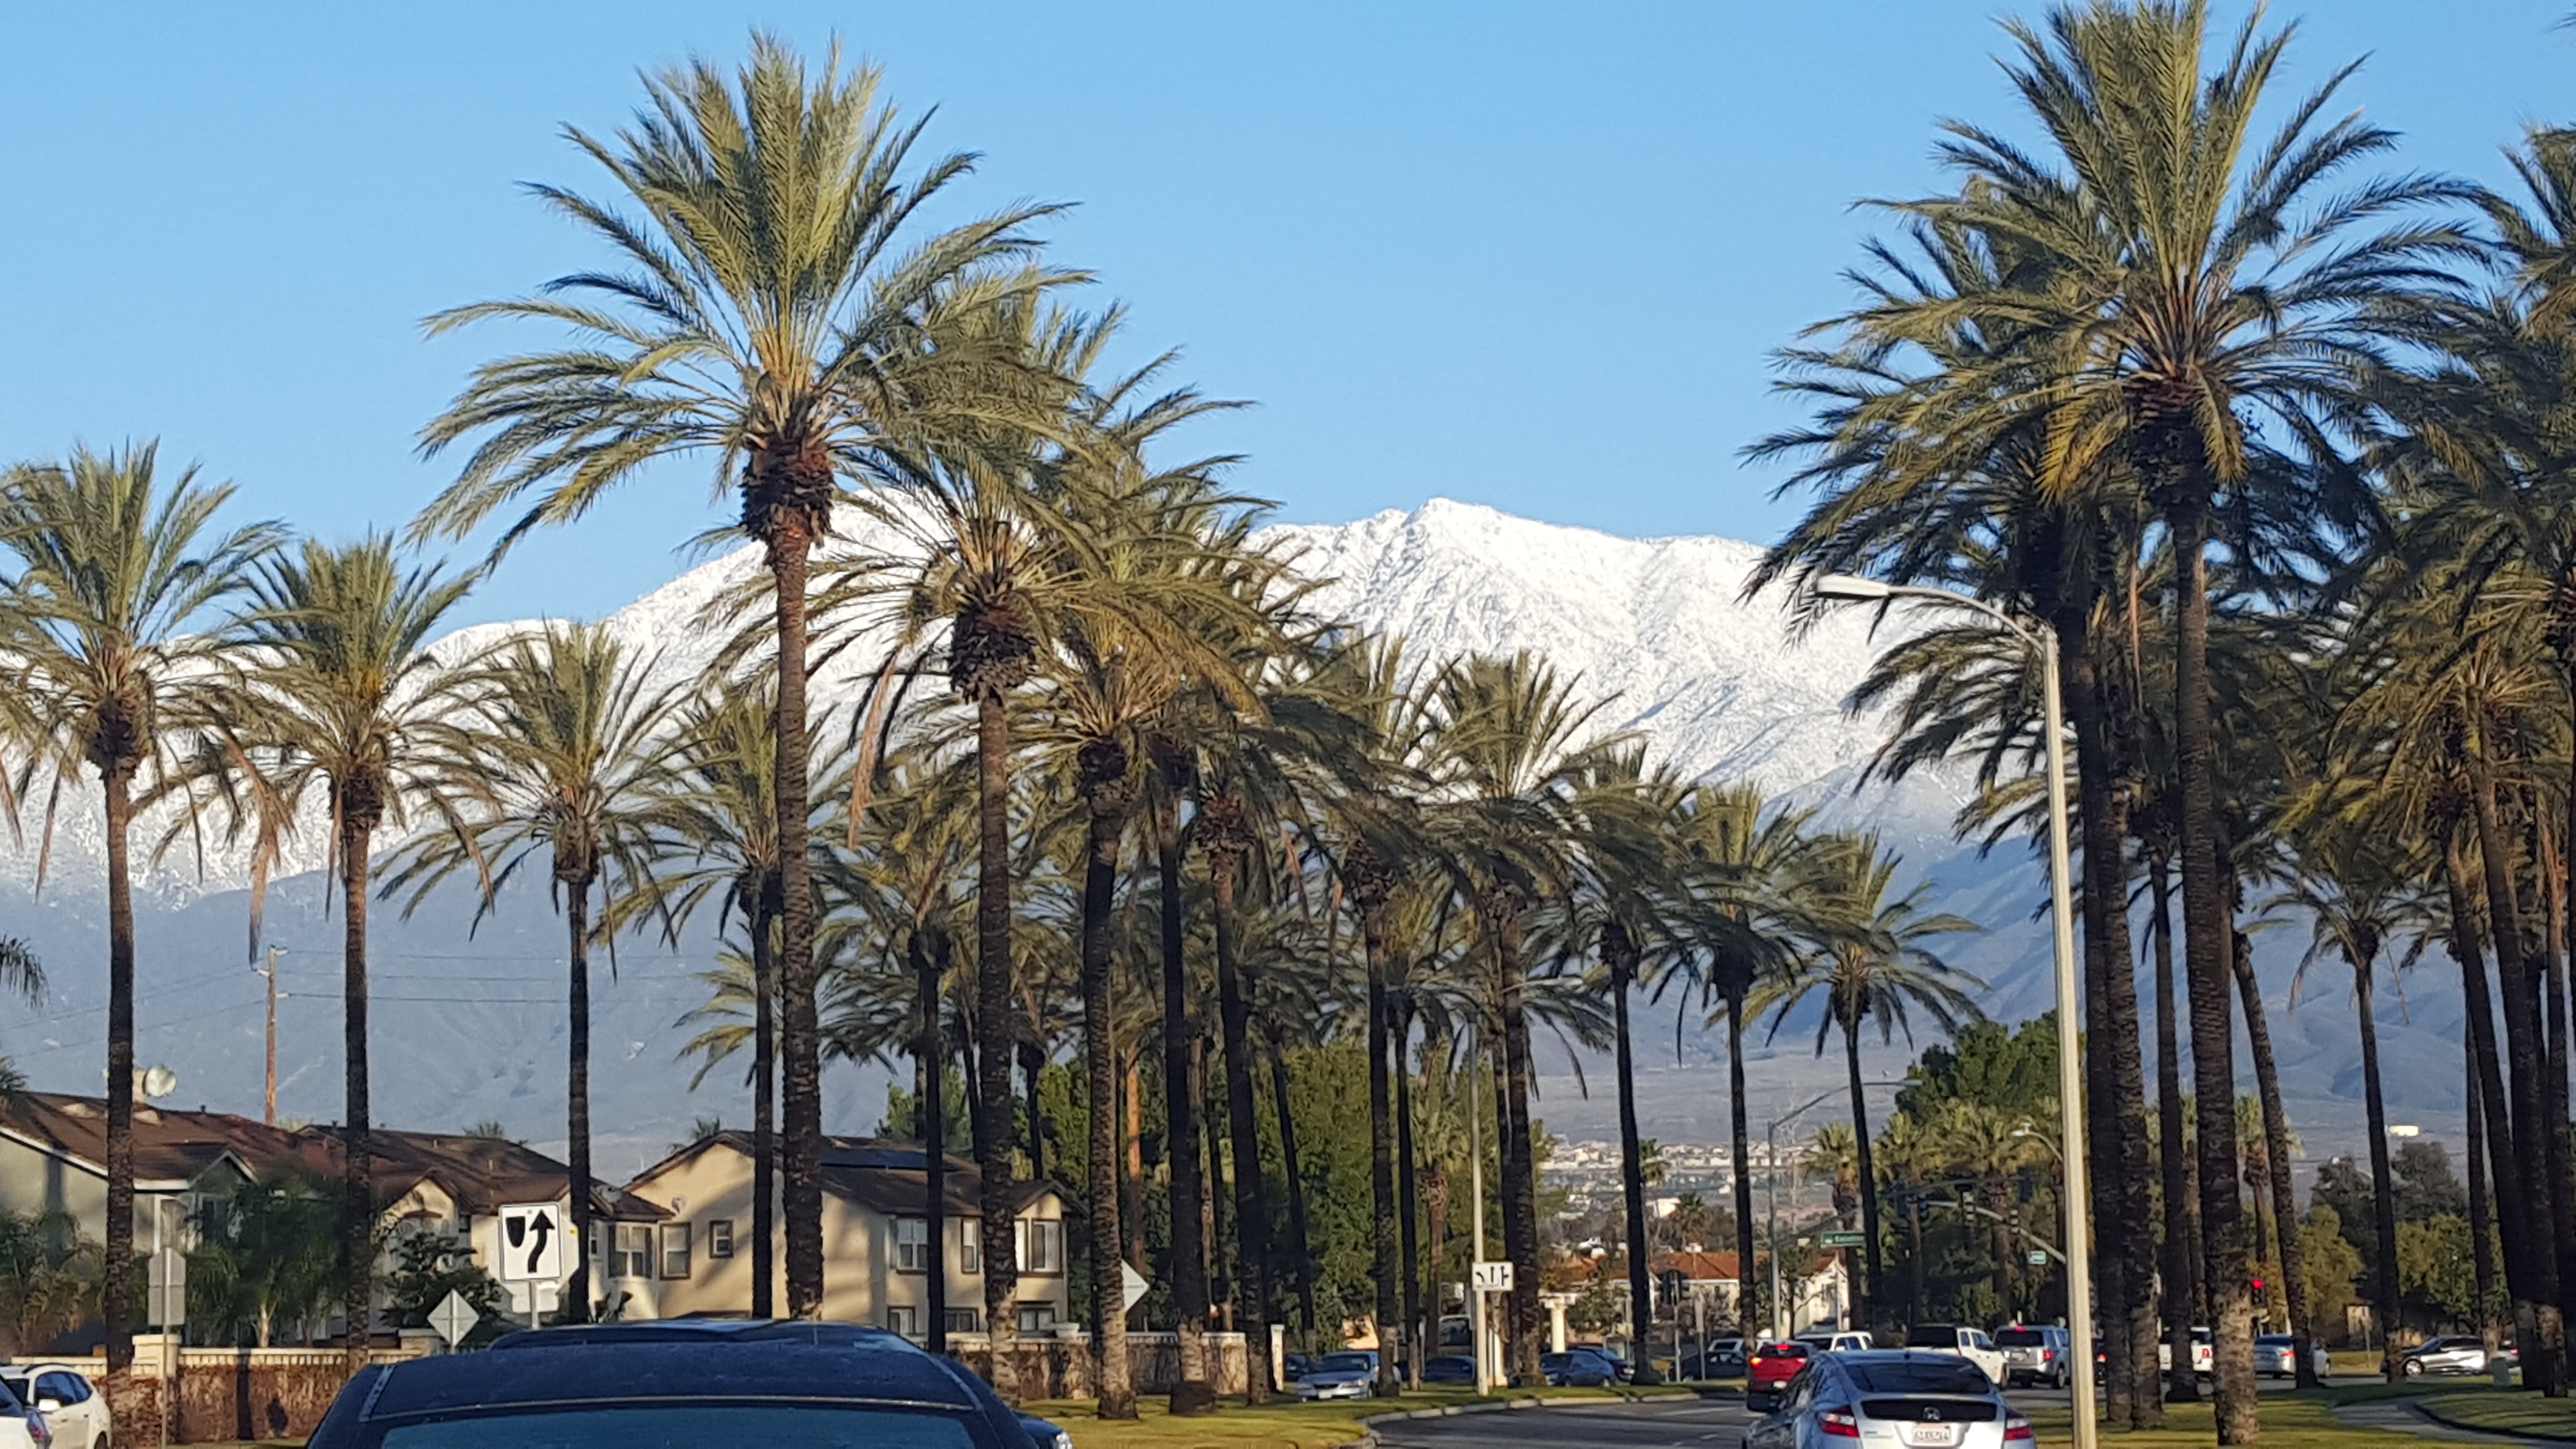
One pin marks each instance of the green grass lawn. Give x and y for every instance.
(1283, 1425)
(2505, 1411)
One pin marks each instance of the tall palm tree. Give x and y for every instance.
(347, 700)
(2195, 284)
(112, 572)
(775, 314)
(568, 754)
(1868, 959)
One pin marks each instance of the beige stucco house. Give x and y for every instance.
(877, 1253)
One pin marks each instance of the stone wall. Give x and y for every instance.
(227, 1394)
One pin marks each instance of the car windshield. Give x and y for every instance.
(2273, 1340)
(1347, 1361)
(1916, 1376)
(1785, 1350)
(685, 1426)
(2020, 1338)
(1932, 1336)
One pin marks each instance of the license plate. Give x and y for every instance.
(1932, 1436)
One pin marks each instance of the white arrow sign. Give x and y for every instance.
(1494, 1277)
(1133, 1286)
(532, 1243)
(454, 1318)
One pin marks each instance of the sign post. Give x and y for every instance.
(532, 1254)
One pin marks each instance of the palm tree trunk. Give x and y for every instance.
(1384, 1246)
(2207, 937)
(2550, 973)
(1520, 1175)
(1032, 1073)
(1301, 1239)
(2383, 1196)
(2276, 1137)
(995, 997)
(2115, 1075)
(1187, 1272)
(1620, 954)
(1131, 1184)
(358, 1188)
(2521, 1013)
(764, 1125)
(931, 1116)
(1107, 825)
(1747, 1281)
(116, 1287)
(1864, 1298)
(1216, 1202)
(1251, 1203)
(2504, 1155)
(2481, 1211)
(800, 1034)
(2181, 1263)
(1914, 1256)
(1416, 1335)
(576, 1305)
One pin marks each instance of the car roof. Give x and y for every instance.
(739, 1358)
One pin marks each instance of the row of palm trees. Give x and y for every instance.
(2274, 444)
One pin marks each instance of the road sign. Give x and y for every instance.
(2037, 1258)
(454, 1318)
(1132, 1286)
(165, 1286)
(1842, 1240)
(532, 1243)
(1494, 1277)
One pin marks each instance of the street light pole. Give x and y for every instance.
(2042, 640)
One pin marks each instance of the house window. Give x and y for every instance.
(633, 1257)
(1037, 1318)
(970, 1245)
(906, 1321)
(964, 1320)
(1041, 1245)
(675, 1251)
(912, 1245)
(719, 1237)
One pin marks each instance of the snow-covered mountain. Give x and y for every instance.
(468, 1025)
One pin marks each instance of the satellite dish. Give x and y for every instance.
(159, 1082)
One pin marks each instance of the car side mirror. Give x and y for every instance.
(49, 1406)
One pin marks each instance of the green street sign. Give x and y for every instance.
(1841, 1240)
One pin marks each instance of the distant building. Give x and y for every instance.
(878, 1256)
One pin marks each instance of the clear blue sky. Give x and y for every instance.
(1528, 255)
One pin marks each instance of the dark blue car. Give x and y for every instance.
(679, 1384)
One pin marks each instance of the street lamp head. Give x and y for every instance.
(1851, 586)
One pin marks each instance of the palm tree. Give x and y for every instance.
(2194, 283)
(103, 622)
(1867, 958)
(568, 754)
(347, 698)
(776, 313)
(1834, 1155)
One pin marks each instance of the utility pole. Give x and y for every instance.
(268, 1100)
(1476, 1193)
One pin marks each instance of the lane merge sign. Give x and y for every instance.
(532, 1242)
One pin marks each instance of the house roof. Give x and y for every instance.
(480, 1173)
(169, 1146)
(1701, 1267)
(879, 1174)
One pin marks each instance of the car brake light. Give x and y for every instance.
(2017, 1430)
(38, 1429)
(1838, 1423)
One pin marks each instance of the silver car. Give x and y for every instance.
(1909, 1400)
(2459, 1354)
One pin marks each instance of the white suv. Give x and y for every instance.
(1959, 1341)
(71, 1406)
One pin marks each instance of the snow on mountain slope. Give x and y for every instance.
(468, 1026)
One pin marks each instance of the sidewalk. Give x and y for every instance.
(2408, 1416)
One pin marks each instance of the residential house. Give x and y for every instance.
(876, 1241)
(458, 1185)
(1818, 1296)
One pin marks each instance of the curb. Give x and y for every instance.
(2447, 1422)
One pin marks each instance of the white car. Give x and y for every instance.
(1832, 1342)
(21, 1427)
(1958, 1341)
(71, 1405)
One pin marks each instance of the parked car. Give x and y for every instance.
(1043, 1434)
(2276, 1355)
(1294, 1366)
(1579, 1368)
(71, 1405)
(1627, 1370)
(21, 1427)
(2204, 1354)
(1768, 1369)
(1449, 1368)
(1959, 1341)
(1830, 1341)
(1350, 1374)
(2457, 1354)
(701, 1380)
(1923, 1400)
(2036, 1354)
